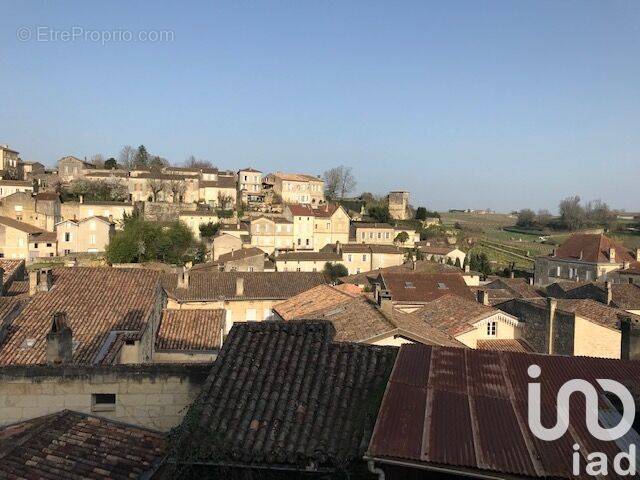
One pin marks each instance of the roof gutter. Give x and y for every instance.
(452, 471)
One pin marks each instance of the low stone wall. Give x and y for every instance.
(153, 396)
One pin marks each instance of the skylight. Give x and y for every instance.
(442, 286)
(408, 285)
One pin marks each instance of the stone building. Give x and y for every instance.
(399, 205)
(9, 159)
(9, 187)
(72, 168)
(42, 210)
(584, 257)
(89, 235)
(297, 188)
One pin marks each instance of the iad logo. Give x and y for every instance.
(598, 462)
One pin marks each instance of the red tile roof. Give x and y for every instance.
(506, 345)
(312, 300)
(70, 444)
(424, 287)
(593, 248)
(465, 411)
(191, 330)
(453, 314)
(97, 301)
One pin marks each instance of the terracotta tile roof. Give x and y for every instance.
(453, 314)
(348, 288)
(421, 267)
(372, 225)
(424, 287)
(49, 237)
(593, 248)
(23, 227)
(253, 170)
(300, 256)
(595, 311)
(18, 288)
(298, 210)
(16, 183)
(240, 254)
(213, 286)
(47, 196)
(505, 345)
(503, 289)
(222, 182)
(70, 444)
(297, 177)
(97, 302)
(312, 300)
(10, 267)
(191, 329)
(311, 404)
(8, 305)
(465, 410)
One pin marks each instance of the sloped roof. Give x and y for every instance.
(240, 254)
(421, 266)
(191, 329)
(23, 227)
(464, 410)
(424, 287)
(213, 286)
(593, 248)
(70, 444)
(505, 345)
(297, 177)
(221, 182)
(97, 301)
(311, 404)
(312, 300)
(453, 314)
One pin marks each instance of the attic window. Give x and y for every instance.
(408, 285)
(28, 343)
(442, 286)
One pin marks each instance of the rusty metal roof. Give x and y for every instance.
(466, 410)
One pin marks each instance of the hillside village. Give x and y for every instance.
(161, 321)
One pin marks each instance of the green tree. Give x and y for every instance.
(111, 163)
(143, 241)
(141, 157)
(380, 214)
(479, 262)
(457, 264)
(449, 261)
(526, 218)
(421, 213)
(402, 237)
(333, 271)
(209, 230)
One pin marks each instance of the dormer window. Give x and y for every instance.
(492, 328)
(442, 286)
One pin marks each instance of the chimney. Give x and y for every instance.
(413, 262)
(552, 305)
(59, 341)
(553, 252)
(581, 254)
(338, 248)
(530, 280)
(626, 265)
(612, 255)
(512, 274)
(183, 278)
(385, 302)
(630, 341)
(483, 297)
(40, 280)
(81, 198)
(239, 286)
(467, 268)
(608, 290)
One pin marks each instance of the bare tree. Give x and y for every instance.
(177, 189)
(156, 186)
(224, 201)
(572, 214)
(98, 160)
(193, 162)
(339, 181)
(127, 156)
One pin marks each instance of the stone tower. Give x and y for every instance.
(399, 205)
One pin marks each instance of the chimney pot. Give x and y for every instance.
(183, 278)
(552, 306)
(483, 297)
(609, 292)
(59, 340)
(239, 286)
(467, 268)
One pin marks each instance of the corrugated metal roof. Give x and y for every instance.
(471, 412)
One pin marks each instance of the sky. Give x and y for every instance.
(466, 104)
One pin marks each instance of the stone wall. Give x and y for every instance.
(153, 396)
(164, 211)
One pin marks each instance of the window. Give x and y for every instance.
(67, 236)
(92, 239)
(409, 285)
(49, 244)
(349, 258)
(299, 241)
(251, 269)
(492, 328)
(387, 235)
(67, 251)
(35, 245)
(442, 286)
(307, 241)
(103, 402)
(364, 257)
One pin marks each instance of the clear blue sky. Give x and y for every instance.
(499, 104)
